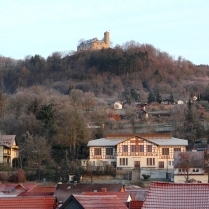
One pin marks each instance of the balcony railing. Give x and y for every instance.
(103, 157)
(137, 154)
(6, 154)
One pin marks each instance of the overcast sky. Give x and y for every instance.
(178, 27)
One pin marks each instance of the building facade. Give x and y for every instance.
(95, 44)
(8, 149)
(154, 151)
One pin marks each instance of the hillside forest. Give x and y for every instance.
(51, 103)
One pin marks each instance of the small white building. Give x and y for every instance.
(118, 106)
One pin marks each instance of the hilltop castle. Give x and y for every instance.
(95, 44)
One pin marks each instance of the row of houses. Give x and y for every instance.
(154, 154)
(107, 196)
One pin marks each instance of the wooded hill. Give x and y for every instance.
(51, 103)
(107, 72)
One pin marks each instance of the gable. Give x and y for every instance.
(136, 140)
(71, 203)
(8, 140)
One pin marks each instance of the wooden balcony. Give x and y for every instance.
(110, 157)
(100, 157)
(6, 154)
(96, 157)
(165, 157)
(137, 154)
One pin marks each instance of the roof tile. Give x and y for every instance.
(177, 195)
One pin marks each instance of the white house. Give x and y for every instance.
(118, 106)
(9, 149)
(189, 163)
(132, 151)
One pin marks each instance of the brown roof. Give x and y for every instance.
(27, 202)
(43, 189)
(8, 140)
(95, 202)
(12, 187)
(63, 191)
(123, 196)
(139, 135)
(40, 191)
(165, 195)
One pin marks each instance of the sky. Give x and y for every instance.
(178, 27)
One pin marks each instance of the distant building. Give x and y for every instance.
(194, 162)
(118, 105)
(9, 150)
(95, 44)
(140, 151)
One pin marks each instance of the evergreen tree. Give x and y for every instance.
(191, 122)
(46, 114)
(158, 98)
(171, 98)
(65, 168)
(206, 93)
(151, 97)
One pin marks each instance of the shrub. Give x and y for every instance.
(146, 176)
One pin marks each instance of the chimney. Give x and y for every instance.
(104, 189)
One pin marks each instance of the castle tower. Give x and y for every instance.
(107, 38)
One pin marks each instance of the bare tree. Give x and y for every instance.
(186, 161)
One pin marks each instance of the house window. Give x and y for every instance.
(133, 148)
(161, 164)
(97, 151)
(165, 151)
(123, 161)
(177, 149)
(196, 170)
(141, 148)
(109, 151)
(150, 161)
(170, 163)
(125, 148)
(149, 148)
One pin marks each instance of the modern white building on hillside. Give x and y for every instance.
(129, 151)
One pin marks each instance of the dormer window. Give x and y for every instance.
(195, 169)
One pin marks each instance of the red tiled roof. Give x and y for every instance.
(123, 196)
(100, 202)
(27, 202)
(177, 195)
(12, 187)
(43, 189)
